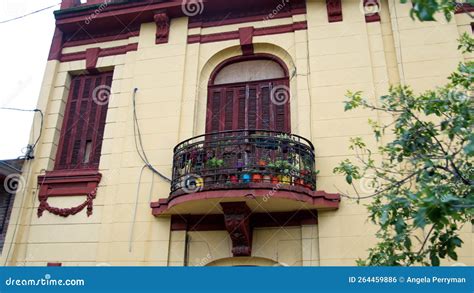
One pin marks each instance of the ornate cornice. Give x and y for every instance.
(68, 183)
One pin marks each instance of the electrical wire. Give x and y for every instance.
(30, 148)
(132, 228)
(139, 144)
(28, 14)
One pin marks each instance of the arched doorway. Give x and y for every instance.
(250, 92)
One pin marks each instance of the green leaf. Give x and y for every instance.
(349, 179)
(434, 260)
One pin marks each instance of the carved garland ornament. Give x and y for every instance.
(66, 212)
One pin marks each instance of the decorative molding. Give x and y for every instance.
(162, 27)
(204, 22)
(68, 183)
(102, 53)
(245, 36)
(100, 38)
(372, 13)
(316, 199)
(234, 35)
(237, 222)
(334, 8)
(92, 55)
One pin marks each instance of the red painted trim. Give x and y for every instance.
(65, 4)
(56, 45)
(215, 222)
(103, 52)
(96, 40)
(54, 264)
(68, 183)
(234, 35)
(334, 9)
(237, 223)
(254, 18)
(464, 8)
(372, 17)
(92, 55)
(318, 199)
(162, 27)
(245, 36)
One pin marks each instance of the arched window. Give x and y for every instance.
(251, 93)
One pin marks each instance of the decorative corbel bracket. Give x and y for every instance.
(246, 40)
(92, 56)
(237, 222)
(68, 183)
(334, 8)
(162, 27)
(371, 10)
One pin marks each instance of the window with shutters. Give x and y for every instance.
(6, 202)
(84, 121)
(249, 94)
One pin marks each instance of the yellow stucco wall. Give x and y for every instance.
(327, 59)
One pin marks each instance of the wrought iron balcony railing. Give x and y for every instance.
(243, 159)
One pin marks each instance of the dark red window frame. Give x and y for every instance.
(247, 105)
(84, 122)
(77, 159)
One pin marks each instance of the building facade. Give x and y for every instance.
(205, 132)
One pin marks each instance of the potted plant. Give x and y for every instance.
(284, 169)
(262, 162)
(301, 175)
(246, 178)
(212, 164)
(271, 166)
(284, 142)
(233, 178)
(256, 176)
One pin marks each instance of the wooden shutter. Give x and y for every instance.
(242, 112)
(246, 106)
(84, 122)
(265, 116)
(252, 109)
(229, 110)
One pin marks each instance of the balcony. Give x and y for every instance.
(271, 171)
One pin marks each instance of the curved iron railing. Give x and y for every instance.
(238, 158)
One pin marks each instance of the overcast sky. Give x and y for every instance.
(23, 56)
